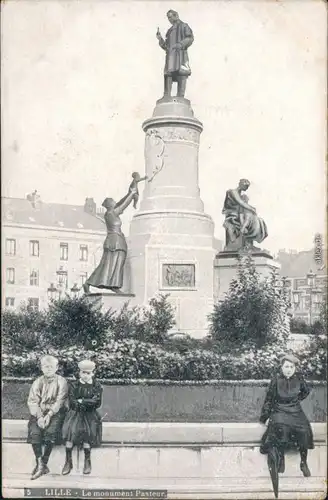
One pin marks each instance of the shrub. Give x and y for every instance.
(299, 326)
(149, 323)
(22, 329)
(127, 359)
(252, 364)
(317, 328)
(77, 322)
(253, 312)
(159, 318)
(314, 358)
(131, 359)
(182, 342)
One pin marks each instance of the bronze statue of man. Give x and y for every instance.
(178, 38)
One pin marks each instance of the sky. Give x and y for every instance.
(79, 77)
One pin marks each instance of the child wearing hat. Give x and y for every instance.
(288, 426)
(82, 426)
(46, 402)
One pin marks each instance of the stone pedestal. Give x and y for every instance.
(110, 300)
(225, 269)
(171, 238)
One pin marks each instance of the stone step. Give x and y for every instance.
(168, 462)
(208, 461)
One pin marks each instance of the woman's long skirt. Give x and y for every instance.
(109, 272)
(288, 432)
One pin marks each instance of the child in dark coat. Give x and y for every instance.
(82, 426)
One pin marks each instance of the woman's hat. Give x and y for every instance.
(289, 357)
(86, 365)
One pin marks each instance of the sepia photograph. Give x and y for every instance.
(164, 249)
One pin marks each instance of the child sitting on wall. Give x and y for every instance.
(82, 426)
(46, 402)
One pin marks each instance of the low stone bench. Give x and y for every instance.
(184, 458)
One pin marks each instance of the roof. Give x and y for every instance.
(55, 215)
(298, 264)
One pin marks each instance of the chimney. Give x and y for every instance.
(90, 206)
(34, 198)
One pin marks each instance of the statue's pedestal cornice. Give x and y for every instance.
(173, 111)
(233, 254)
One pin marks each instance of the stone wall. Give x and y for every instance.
(221, 401)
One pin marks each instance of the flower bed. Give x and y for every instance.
(132, 359)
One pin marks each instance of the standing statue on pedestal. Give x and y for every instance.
(109, 273)
(178, 38)
(242, 224)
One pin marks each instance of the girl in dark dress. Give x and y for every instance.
(288, 426)
(82, 426)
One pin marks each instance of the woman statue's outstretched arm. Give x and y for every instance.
(124, 202)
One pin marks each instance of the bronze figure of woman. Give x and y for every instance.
(242, 224)
(109, 273)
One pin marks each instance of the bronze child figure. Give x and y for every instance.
(134, 186)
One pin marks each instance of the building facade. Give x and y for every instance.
(48, 249)
(306, 283)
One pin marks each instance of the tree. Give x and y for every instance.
(254, 311)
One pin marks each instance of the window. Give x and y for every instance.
(34, 278)
(84, 252)
(33, 304)
(10, 301)
(83, 278)
(62, 280)
(300, 282)
(10, 275)
(34, 248)
(63, 251)
(10, 246)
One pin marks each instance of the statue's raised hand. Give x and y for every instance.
(158, 34)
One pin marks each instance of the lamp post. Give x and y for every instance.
(311, 284)
(75, 290)
(52, 292)
(62, 283)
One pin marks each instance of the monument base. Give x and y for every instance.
(171, 237)
(226, 265)
(110, 300)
